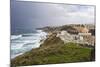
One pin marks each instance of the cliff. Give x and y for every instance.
(53, 51)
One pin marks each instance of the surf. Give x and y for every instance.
(25, 42)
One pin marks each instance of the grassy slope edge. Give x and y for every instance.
(53, 51)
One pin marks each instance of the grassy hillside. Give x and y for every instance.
(53, 51)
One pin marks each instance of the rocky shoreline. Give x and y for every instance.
(51, 46)
(53, 50)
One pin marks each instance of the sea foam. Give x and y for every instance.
(25, 42)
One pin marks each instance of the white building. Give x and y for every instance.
(65, 36)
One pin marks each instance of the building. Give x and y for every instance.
(83, 31)
(65, 36)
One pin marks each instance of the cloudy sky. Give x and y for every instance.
(35, 14)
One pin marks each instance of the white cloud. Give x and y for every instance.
(77, 13)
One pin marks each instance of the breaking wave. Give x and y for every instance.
(25, 42)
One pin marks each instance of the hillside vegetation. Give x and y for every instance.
(53, 51)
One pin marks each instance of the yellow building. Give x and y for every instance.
(83, 31)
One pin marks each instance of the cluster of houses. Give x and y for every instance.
(83, 32)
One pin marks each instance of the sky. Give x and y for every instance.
(29, 15)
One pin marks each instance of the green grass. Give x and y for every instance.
(54, 51)
(68, 53)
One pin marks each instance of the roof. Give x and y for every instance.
(83, 30)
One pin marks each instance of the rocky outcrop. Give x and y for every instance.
(53, 50)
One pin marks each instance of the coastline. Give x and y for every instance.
(53, 50)
(42, 36)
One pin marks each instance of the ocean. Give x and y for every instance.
(23, 42)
